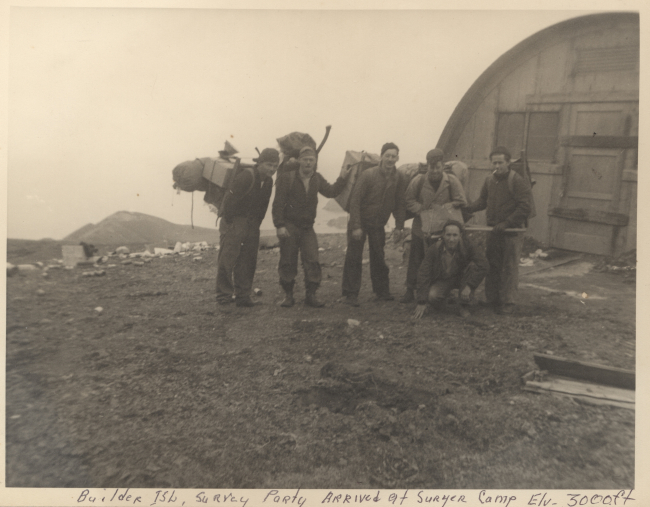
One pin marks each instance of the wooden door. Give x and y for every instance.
(587, 218)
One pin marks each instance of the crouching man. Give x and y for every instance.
(451, 263)
(294, 212)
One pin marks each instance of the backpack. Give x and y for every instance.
(520, 166)
(221, 179)
(420, 184)
(290, 146)
(188, 176)
(359, 161)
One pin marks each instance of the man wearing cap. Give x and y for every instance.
(244, 209)
(505, 196)
(434, 188)
(452, 262)
(378, 193)
(294, 212)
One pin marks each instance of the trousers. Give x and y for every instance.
(238, 245)
(354, 262)
(502, 252)
(416, 256)
(304, 241)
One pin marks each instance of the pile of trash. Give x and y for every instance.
(624, 264)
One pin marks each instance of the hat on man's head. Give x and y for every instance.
(307, 151)
(389, 146)
(269, 155)
(434, 156)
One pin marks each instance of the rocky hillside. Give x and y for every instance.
(125, 227)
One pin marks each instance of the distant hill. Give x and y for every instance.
(125, 227)
(333, 206)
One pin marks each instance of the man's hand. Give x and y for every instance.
(419, 311)
(282, 232)
(466, 294)
(398, 234)
(357, 234)
(500, 227)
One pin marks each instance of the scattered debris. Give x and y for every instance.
(257, 292)
(526, 262)
(353, 323)
(122, 250)
(27, 267)
(99, 309)
(538, 254)
(96, 272)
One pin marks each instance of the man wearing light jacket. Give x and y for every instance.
(506, 197)
(435, 187)
(378, 193)
(294, 212)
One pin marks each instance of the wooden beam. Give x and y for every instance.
(487, 228)
(603, 142)
(589, 215)
(606, 375)
(589, 393)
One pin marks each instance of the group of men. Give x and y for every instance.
(437, 265)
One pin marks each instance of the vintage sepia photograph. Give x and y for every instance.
(318, 248)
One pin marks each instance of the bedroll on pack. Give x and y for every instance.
(188, 176)
(220, 174)
(360, 161)
(290, 146)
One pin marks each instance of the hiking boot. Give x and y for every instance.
(352, 300)
(408, 297)
(310, 299)
(245, 302)
(288, 300)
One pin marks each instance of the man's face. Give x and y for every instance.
(307, 165)
(268, 169)
(500, 164)
(389, 158)
(451, 237)
(435, 171)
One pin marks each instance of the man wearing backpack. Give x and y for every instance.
(294, 212)
(244, 208)
(435, 187)
(506, 197)
(378, 193)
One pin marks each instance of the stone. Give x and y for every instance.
(99, 309)
(27, 267)
(353, 323)
(122, 250)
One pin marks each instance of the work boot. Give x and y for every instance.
(310, 299)
(351, 300)
(245, 302)
(288, 300)
(408, 297)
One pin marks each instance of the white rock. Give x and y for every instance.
(27, 267)
(197, 258)
(353, 322)
(40, 264)
(321, 249)
(40, 292)
(122, 250)
(99, 309)
(147, 253)
(177, 247)
(163, 251)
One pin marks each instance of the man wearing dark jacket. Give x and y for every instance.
(378, 193)
(294, 212)
(505, 196)
(244, 209)
(453, 262)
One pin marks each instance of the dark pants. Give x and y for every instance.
(238, 245)
(502, 252)
(416, 256)
(303, 241)
(354, 258)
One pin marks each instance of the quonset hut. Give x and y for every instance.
(568, 96)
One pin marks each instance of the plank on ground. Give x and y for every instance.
(589, 393)
(616, 377)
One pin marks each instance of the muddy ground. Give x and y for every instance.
(165, 389)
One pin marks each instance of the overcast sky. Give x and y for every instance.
(104, 102)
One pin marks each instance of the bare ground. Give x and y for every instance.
(165, 389)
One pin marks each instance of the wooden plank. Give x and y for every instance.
(487, 228)
(606, 375)
(588, 393)
(603, 142)
(590, 215)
